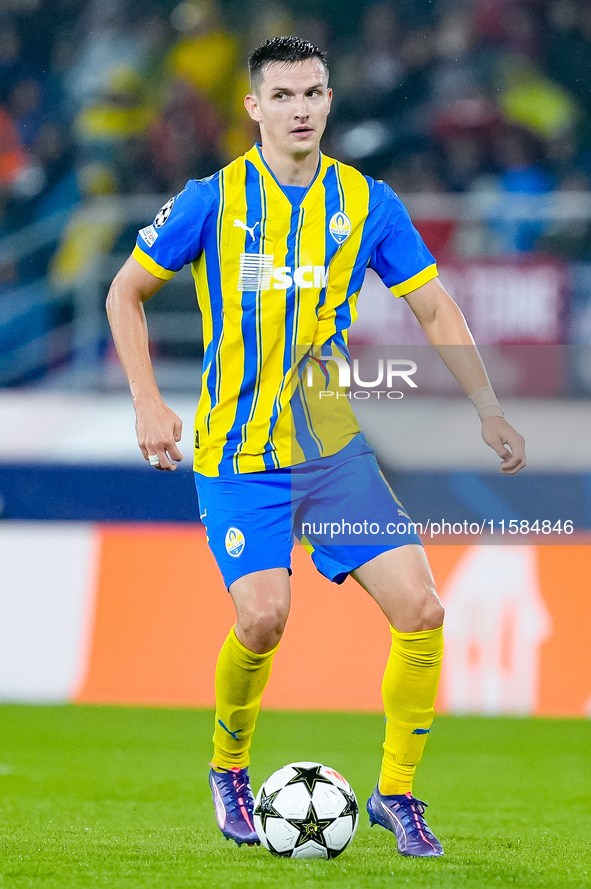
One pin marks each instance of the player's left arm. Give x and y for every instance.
(446, 329)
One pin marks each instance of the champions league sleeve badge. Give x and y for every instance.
(163, 214)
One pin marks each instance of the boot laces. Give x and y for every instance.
(236, 790)
(411, 811)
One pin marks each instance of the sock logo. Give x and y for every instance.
(226, 729)
(421, 731)
(234, 542)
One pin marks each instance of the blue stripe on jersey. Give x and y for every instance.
(301, 420)
(292, 307)
(270, 458)
(250, 304)
(212, 260)
(340, 342)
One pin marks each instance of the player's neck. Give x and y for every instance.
(289, 170)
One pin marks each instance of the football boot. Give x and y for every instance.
(403, 815)
(234, 804)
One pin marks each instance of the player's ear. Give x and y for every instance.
(251, 104)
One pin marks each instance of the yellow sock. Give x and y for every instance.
(240, 679)
(408, 690)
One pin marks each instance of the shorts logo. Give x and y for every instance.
(234, 542)
(340, 227)
(163, 214)
(149, 234)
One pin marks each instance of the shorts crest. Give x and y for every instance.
(234, 542)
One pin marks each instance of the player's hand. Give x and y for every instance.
(509, 444)
(158, 431)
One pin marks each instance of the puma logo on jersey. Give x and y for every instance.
(238, 223)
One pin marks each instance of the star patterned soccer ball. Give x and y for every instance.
(306, 810)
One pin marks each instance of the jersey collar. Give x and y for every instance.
(255, 156)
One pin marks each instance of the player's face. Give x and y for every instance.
(291, 105)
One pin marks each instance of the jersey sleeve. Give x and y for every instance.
(401, 257)
(175, 236)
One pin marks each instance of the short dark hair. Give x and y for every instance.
(281, 49)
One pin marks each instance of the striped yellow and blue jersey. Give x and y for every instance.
(277, 280)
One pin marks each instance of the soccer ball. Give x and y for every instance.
(306, 810)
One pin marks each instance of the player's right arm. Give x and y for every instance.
(158, 427)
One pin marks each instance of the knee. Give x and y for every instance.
(433, 614)
(430, 612)
(261, 629)
(425, 613)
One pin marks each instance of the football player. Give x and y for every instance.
(279, 242)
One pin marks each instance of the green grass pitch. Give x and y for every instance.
(118, 798)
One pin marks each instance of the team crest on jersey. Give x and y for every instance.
(234, 542)
(340, 227)
(163, 214)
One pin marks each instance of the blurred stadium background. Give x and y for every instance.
(477, 113)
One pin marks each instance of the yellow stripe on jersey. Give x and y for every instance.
(416, 281)
(355, 191)
(150, 266)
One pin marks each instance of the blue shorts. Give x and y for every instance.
(340, 507)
